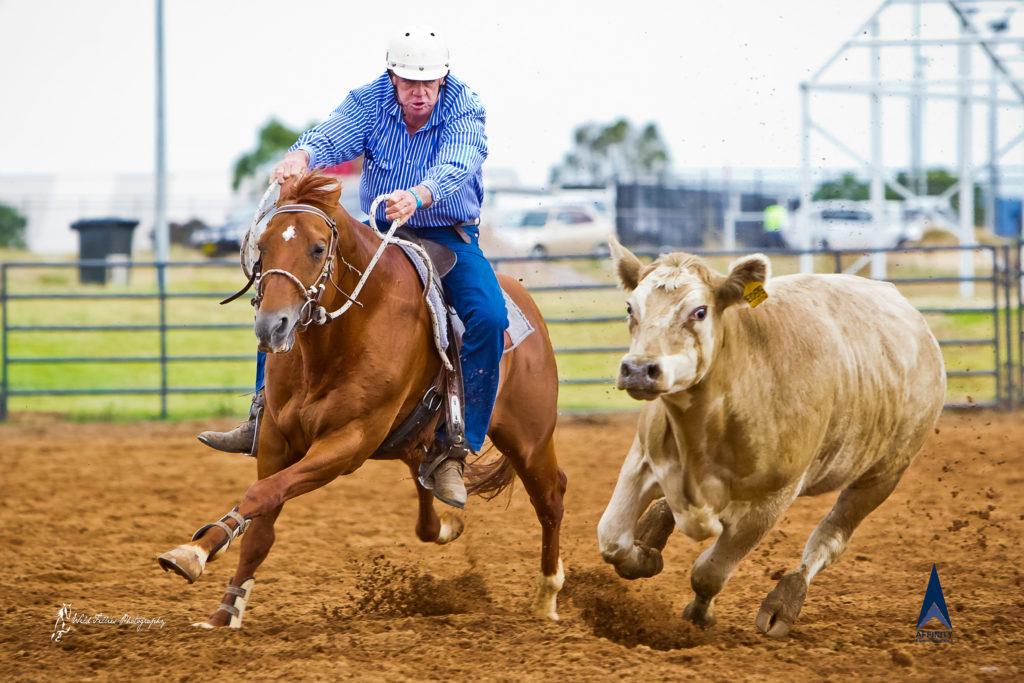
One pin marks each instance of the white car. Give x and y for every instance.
(842, 224)
(554, 230)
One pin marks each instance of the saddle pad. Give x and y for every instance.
(519, 327)
(434, 298)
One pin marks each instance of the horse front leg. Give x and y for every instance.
(329, 458)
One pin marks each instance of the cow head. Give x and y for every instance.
(675, 310)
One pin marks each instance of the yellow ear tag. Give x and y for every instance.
(754, 293)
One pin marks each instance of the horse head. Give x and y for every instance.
(297, 246)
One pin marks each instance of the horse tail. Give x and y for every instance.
(488, 477)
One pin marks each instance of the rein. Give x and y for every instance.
(312, 312)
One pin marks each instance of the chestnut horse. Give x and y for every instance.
(335, 391)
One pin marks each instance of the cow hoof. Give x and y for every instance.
(643, 563)
(699, 614)
(187, 561)
(656, 525)
(451, 528)
(781, 608)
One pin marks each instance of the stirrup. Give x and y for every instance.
(241, 522)
(425, 475)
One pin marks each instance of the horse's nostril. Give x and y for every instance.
(282, 325)
(653, 370)
(625, 369)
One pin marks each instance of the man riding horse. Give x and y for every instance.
(420, 128)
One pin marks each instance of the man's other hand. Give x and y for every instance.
(401, 206)
(292, 167)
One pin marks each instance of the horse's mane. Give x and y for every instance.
(315, 189)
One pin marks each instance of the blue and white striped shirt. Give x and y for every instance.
(445, 155)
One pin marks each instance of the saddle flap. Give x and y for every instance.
(441, 256)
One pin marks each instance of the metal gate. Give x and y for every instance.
(985, 329)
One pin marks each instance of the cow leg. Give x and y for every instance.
(780, 609)
(617, 530)
(431, 528)
(714, 566)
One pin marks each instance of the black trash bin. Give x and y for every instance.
(98, 238)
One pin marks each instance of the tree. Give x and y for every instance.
(12, 227)
(849, 186)
(272, 141)
(603, 153)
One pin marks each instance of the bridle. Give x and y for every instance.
(312, 312)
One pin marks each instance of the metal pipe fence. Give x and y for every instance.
(1001, 313)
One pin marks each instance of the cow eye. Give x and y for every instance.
(699, 313)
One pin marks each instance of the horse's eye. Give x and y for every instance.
(629, 310)
(699, 313)
(319, 249)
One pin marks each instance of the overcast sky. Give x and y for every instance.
(719, 78)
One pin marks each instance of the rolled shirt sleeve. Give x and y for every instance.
(342, 137)
(462, 151)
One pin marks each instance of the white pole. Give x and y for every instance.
(964, 149)
(803, 216)
(731, 214)
(880, 220)
(918, 180)
(161, 238)
(993, 151)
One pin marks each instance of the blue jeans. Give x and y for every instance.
(474, 291)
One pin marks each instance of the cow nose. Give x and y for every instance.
(643, 370)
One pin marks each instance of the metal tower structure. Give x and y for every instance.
(984, 66)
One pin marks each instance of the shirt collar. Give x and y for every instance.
(395, 111)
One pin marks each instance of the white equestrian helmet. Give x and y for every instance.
(418, 53)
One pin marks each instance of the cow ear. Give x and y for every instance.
(755, 268)
(627, 265)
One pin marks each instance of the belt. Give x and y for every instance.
(459, 228)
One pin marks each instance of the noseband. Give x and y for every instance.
(311, 311)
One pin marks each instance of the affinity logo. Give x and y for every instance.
(934, 607)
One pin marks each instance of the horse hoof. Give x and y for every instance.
(545, 605)
(451, 528)
(204, 624)
(187, 561)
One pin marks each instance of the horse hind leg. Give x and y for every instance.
(545, 484)
(431, 527)
(782, 606)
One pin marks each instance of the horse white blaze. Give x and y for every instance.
(289, 233)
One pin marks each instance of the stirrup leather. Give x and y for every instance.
(241, 522)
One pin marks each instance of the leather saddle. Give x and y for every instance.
(446, 392)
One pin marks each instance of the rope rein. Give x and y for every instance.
(311, 311)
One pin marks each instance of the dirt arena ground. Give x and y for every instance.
(348, 591)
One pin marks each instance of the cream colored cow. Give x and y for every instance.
(830, 383)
